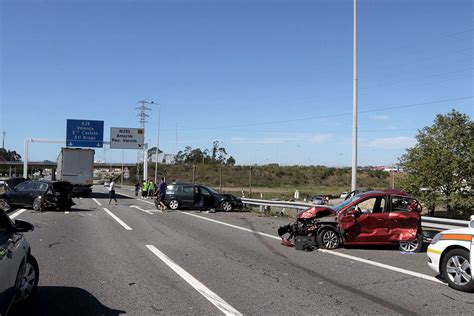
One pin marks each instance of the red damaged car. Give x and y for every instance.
(374, 217)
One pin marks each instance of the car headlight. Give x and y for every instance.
(436, 238)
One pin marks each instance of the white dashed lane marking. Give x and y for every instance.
(212, 297)
(17, 213)
(118, 219)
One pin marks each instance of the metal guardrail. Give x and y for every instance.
(443, 223)
(426, 221)
(283, 204)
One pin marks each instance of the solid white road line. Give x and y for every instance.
(383, 265)
(138, 208)
(118, 219)
(98, 203)
(233, 226)
(335, 253)
(212, 297)
(66, 212)
(17, 213)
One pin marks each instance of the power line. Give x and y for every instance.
(394, 82)
(328, 116)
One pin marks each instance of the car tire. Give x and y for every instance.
(37, 206)
(4, 205)
(328, 238)
(27, 280)
(411, 245)
(173, 204)
(226, 206)
(456, 270)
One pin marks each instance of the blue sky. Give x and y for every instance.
(271, 80)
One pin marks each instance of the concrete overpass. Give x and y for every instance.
(53, 165)
(43, 164)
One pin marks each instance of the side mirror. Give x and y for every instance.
(354, 212)
(471, 223)
(23, 226)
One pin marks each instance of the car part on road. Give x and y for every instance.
(456, 270)
(305, 243)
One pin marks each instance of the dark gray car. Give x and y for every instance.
(39, 195)
(195, 196)
(18, 268)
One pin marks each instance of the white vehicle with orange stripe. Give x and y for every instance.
(451, 254)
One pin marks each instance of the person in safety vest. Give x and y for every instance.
(144, 190)
(151, 188)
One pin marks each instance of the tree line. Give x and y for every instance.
(216, 155)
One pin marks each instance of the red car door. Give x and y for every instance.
(404, 218)
(366, 221)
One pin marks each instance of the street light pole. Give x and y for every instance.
(157, 144)
(354, 110)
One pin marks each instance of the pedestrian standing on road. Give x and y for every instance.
(162, 193)
(137, 187)
(112, 191)
(144, 189)
(151, 188)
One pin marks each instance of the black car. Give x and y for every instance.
(195, 196)
(39, 195)
(19, 270)
(9, 184)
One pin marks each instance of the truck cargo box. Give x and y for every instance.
(76, 165)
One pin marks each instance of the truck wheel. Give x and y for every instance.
(328, 238)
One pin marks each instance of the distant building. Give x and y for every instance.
(165, 159)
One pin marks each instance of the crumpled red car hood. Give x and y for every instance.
(315, 211)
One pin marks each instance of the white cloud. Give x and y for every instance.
(379, 118)
(400, 142)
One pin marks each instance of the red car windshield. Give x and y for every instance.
(337, 208)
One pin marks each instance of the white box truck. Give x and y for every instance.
(76, 165)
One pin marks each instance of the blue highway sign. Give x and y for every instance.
(84, 133)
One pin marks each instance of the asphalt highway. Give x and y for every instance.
(101, 259)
